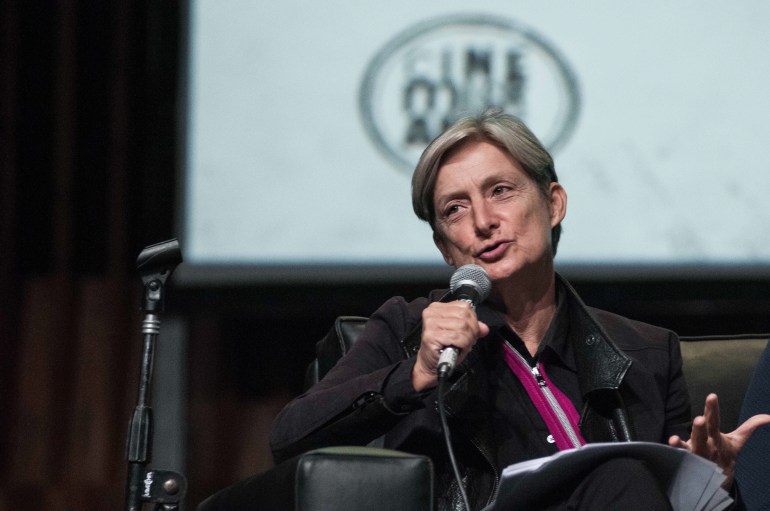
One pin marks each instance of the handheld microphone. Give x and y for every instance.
(469, 283)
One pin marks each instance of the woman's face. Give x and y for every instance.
(489, 212)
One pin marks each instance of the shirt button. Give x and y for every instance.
(550, 439)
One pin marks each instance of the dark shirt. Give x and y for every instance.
(520, 432)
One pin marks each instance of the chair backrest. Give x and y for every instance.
(336, 343)
(724, 365)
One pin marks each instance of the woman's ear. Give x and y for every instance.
(558, 203)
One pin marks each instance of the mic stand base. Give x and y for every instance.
(162, 487)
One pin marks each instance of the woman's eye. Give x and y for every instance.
(499, 190)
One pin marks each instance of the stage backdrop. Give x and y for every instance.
(305, 119)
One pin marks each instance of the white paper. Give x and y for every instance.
(693, 483)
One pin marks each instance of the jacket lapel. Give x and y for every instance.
(600, 363)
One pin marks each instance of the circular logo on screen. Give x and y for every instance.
(432, 73)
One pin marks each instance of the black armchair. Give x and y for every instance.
(378, 479)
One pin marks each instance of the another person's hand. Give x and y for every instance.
(445, 324)
(708, 441)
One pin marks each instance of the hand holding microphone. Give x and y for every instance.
(471, 284)
(451, 329)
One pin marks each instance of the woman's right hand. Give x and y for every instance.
(445, 324)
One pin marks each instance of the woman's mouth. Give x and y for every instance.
(493, 252)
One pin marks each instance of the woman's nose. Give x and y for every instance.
(484, 218)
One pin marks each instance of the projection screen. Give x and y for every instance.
(304, 121)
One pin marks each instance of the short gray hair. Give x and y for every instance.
(507, 132)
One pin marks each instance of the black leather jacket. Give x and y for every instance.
(629, 376)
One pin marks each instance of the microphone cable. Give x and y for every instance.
(469, 283)
(448, 440)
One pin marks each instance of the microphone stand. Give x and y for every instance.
(162, 487)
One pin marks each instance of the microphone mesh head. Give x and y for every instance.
(471, 275)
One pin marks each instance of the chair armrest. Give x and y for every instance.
(334, 478)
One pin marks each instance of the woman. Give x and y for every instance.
(489, 191)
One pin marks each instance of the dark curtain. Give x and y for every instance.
(88, 166)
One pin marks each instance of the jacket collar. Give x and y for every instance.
(601, 365)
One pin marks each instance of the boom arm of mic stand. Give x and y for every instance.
(156, 263)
